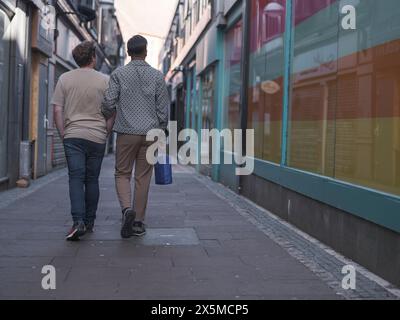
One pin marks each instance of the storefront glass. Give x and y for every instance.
(207, 104)
(265, 95)
(345, 99)
(367, 149)
(4, 63)
(207, 115)
(314, 87)
(232, 94)
(193, 106)
(233, 77)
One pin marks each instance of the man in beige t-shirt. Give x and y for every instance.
(83, 128)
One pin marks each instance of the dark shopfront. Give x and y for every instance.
(13, 103)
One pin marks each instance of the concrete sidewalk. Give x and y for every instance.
(199, 246)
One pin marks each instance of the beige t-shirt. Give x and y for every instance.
(80, 92)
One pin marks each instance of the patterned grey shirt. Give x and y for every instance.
(139, 95)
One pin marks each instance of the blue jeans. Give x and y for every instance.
(84, 159)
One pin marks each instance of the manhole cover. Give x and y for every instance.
(169, 237)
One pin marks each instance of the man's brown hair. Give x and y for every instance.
(84, 53)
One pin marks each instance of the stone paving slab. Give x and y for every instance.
(154, 236)
(200, 245)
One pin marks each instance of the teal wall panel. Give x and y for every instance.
(380, 208)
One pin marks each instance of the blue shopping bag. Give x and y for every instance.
(163, 171)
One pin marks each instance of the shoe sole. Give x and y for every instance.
(139, 234)
(75, 236)
(126, 230)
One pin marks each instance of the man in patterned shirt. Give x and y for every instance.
(138, 95)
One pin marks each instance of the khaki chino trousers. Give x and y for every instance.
(130, 153)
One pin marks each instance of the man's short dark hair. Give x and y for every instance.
(84, 53)
(137, 46)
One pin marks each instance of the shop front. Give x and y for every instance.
(325, 110)
(231, 114)
(4, 87)
(13, 82)
(207, 69)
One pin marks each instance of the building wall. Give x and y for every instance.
(32, 58)
(70, 32)
(13, 73)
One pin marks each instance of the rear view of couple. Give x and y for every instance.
(88, 106)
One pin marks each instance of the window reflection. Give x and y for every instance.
(233, 78)
(265, 96)
(208, 100)
(207, 116)
(345, 98)
(368, 112)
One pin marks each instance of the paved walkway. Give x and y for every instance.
(203, 242)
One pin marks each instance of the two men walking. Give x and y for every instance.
(88, 104)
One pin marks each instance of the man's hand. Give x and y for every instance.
(110, 123)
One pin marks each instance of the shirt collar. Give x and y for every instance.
(141, 63)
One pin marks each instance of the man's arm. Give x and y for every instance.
(58, 102)
(110, 123)
(59, 120)
(162, 103)
(111, 98)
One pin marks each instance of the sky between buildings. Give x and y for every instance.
(149, 18)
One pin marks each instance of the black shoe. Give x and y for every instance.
(138, 229)
(127, 222)
(77, 231)
(89, 227)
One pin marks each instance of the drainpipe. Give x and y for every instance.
(24, 165)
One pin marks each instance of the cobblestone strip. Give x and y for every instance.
(320, 259)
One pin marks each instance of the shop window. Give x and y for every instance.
(345, 99)
(233, 76)
(314, 88)
(367, 149)
(265, 92)
(207, 110)
(208, 100)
